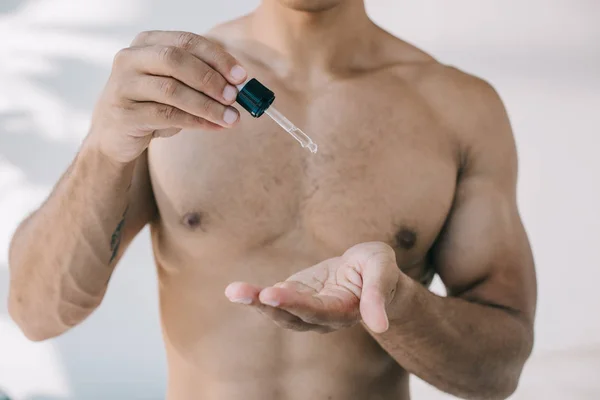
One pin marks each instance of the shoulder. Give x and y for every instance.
(227, 32)
(396, 52)
(471, 111)
(459, 96)
(466, 104)
(452, 93)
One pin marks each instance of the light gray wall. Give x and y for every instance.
(542, 56)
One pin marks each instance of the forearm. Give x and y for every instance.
(466, 349)
(61, 257)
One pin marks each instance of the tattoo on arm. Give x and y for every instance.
(115, 239)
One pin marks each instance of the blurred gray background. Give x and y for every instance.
(543, 56)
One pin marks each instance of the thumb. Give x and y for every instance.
(380, 278)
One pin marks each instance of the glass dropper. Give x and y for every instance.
(257, 99)
(292, 129)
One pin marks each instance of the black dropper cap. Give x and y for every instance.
(255, 97)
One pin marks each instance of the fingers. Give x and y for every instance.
(189, 76)
(372, 311)
(244, 293)
(202, 48)
(286, 320)
(377, 265)
(335, 312)
(163, 83)
(181, 65)
(171, 92)
(156, 116)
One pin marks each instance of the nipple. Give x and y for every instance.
(192, 220)
(406, 238)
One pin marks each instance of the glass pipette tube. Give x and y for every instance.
(257, 99)
(292, 129)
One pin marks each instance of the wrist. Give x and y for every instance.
(92, 163)
(91, 149)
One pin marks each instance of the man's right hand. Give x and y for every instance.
(164, 82)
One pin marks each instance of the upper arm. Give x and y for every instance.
(483, 254)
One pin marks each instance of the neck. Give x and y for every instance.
(328, 39)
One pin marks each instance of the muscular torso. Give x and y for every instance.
(249, 204)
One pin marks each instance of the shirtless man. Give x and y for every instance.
(415, 175)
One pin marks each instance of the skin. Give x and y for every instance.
(324, 259)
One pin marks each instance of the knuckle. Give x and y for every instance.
(141, 37)
(167, 113)
(195, 121)
(171, 55)
(208, 77)
(222, 58)
(119, 93)
(187, 40)
(209, 108)
(122, 57)
(168, 87)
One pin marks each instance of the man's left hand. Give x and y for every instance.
(334, 294)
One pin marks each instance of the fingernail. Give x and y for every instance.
(230, 116)
(243, 300)
(238, 73)
(230, 93)
(272, 303)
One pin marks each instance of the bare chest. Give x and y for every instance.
(385, 171)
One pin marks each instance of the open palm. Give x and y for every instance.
(331, 295)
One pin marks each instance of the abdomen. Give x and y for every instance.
(219, 350)
(244, 356)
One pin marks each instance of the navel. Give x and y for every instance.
(406, 238)
(192, 220)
